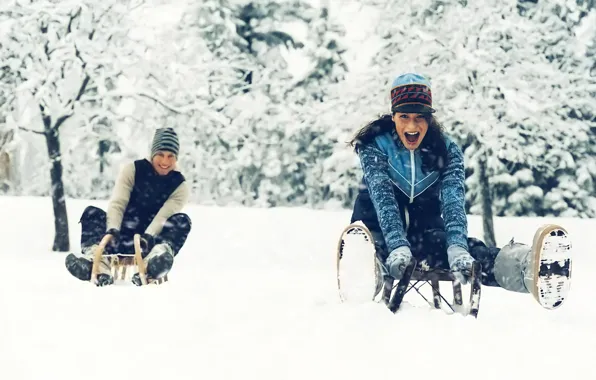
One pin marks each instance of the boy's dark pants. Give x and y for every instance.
(93, 228)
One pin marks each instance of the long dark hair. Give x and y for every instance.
(433, 147)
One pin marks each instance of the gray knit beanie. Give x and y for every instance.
(165, 139)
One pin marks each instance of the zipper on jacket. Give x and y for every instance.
(413, 170)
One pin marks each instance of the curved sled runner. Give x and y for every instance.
(361, 276)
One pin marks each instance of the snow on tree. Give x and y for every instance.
(64, 59)
(260, 152)
(264, 99)
(492, 85)
(326, 54)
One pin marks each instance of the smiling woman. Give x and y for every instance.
(412, 200)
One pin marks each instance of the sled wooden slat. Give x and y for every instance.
(139, 259)
(121, 263)
(97, 255)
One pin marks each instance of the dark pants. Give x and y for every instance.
(431, 245)
(93, 228)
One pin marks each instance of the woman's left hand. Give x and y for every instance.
(460, 263)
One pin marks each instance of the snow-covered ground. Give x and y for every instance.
(252, 296)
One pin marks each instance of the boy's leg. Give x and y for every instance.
(93, 227)
(175, 231)
(168, 244)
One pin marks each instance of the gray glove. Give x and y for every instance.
(460, 263)
(398, 260)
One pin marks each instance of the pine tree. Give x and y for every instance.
(329, 66)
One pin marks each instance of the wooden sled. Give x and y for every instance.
(121, 264)
(433, 277)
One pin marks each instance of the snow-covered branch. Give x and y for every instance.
(32, 131)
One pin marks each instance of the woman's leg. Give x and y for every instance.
(430, 245)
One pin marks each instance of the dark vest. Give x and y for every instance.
(148, 195)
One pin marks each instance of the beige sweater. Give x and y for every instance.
(121, 196)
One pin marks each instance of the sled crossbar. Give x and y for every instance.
(434, 277)
(121, 264)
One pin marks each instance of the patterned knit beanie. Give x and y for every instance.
(411, 93)
(165, 139)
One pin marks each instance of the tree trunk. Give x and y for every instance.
(103, 148)
(487, 210)
(61, 238)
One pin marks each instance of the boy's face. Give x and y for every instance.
(164, 162)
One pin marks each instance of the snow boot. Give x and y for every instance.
(544, 270)
(81, 267)
(158, 263)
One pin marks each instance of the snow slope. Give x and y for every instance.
(252, 296)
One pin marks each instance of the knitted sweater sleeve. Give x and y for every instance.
(453, 198)
(376, 174)
(120, 196)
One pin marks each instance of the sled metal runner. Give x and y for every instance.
(415, 278)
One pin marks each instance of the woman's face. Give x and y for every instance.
(411, 128)
(164, 162)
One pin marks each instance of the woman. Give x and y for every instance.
(147, 199)
(413, 196)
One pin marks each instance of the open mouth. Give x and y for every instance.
(412, 137)
(164, 167)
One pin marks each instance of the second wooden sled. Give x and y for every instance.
(123, 266)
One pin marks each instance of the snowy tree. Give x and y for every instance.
(505, 95)
(265, 101)
(253, 154)
(327, 54)
(64, 58)
(6, 166)
(496, 86)
(531, 89)
(492, 84)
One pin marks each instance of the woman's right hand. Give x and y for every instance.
(398, 260)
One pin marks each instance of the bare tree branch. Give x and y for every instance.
(155, 98)
(32, 131)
